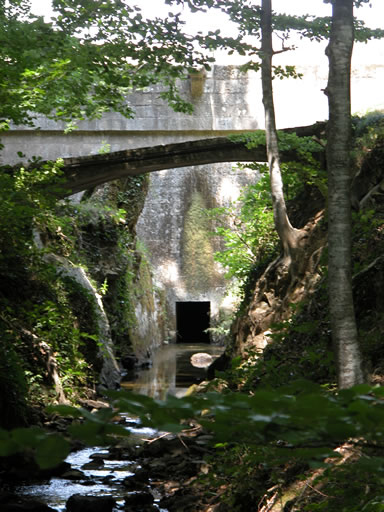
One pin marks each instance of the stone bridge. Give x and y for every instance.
(82, 173)
(177, 238)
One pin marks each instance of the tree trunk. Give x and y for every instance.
(343, 323)
(289, 236)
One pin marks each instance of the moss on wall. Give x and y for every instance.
(148, 331)
(198, 264)
(119, 263)
(197, 83)
(135, 308)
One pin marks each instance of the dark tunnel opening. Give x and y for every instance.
(192, 319)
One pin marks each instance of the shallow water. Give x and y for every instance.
(171, 373)
(103, 482)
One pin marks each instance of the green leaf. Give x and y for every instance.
(51, 451)
(88, 433)
(8, 446)
(28, 437)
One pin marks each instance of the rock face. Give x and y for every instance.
(110, 372)
(131, 305)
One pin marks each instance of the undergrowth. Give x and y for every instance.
(301, 348)
(46, 316)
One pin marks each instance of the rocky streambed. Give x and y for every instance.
(150, 471)
(151, 474)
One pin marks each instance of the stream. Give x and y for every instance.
(171, 373)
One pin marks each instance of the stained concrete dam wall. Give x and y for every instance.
(172, 225)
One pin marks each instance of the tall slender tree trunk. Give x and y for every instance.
(289, 236)
(343, 323)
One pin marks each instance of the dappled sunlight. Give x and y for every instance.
(169, 271)
(230, 301)
(228, 190)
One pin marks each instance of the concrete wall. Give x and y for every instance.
(177, 233)
(225, 102)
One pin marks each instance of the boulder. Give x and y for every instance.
(180, 502)
(12, 503)
(74, 474)
(201, 360)
(80, 503)
(93, 464)
(221, 364)
(138, 501)
(129, 362)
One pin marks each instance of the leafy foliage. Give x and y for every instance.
(247, 229)
(88, 59)
(94, 53)
(246, 15)
(47, 449)
(22, 200)
(301, 416)
(300, 421)
(40, 317)
(247, 225)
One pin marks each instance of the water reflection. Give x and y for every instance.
(172, 371)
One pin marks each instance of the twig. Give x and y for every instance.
(149, 441)
(319, 492)
(269, 503)
(379, 258)
(370, 193)
(182, 442)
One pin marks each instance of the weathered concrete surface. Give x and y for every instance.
(228, 104)
(177, 235)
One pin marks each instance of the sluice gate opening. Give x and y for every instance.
(192, 320)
